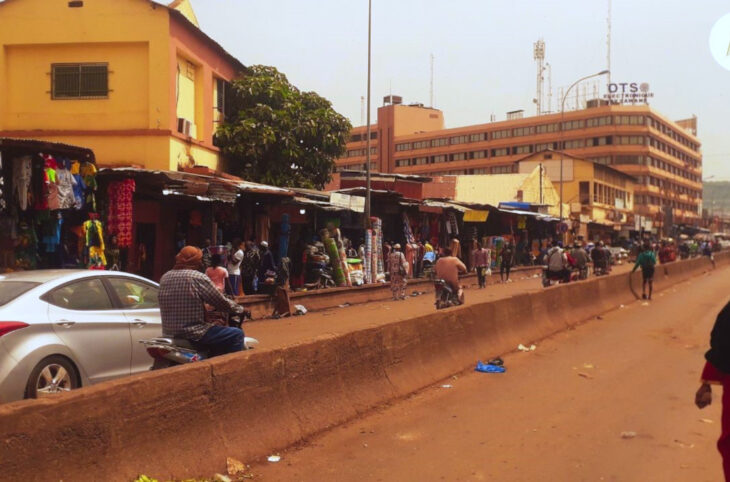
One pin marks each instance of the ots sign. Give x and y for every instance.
(628, 93)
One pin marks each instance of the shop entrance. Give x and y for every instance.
(146, 238)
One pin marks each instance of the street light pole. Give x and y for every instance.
(562, 129)
(367, 147)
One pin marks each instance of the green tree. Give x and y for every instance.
(275, 134)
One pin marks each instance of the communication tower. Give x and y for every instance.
(539, 56)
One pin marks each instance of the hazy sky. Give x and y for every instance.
(483, 53)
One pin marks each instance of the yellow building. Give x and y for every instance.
(134, 80)
(495, 189)
(598, 198)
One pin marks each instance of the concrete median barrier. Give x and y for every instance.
(185, 421)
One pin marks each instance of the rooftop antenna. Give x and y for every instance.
(432, 57)
(362, 110)
(550, 87)
(608, 42)
(538, 53)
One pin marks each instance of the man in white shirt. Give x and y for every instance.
(234, 268)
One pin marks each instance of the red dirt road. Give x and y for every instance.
(556, 415)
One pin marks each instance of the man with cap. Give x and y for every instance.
(184, 291)
(398, 269)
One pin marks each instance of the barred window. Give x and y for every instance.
(80, 81)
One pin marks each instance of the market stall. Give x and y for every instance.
(48, 207)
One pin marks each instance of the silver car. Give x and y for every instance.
(63, 329)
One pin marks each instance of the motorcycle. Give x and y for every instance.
(552, 279)
(445, 296)
(319, 276)
(168, 351)
(583, 273)
(600, 270)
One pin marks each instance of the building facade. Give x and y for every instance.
(599, 198)
(136, 81)
(662, 155)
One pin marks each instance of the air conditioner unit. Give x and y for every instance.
(184, 126)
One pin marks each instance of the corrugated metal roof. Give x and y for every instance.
(48, 147)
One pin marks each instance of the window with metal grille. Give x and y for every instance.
(80, 81)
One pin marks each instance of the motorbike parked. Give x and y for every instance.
(168, 351)
(445, 295)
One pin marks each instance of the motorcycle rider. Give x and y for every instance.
(581, 257)
(448, 268)
(600, 260)
(557, 261)
(183, 293)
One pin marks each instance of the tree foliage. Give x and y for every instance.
(275, 134)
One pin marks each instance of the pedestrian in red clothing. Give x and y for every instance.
(717, 372)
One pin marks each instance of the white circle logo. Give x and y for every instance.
(720, 41)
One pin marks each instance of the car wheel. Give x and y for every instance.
(53, 375)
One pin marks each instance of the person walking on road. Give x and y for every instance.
(717, 372)
(506, 259)
(646, 260)
(398, 269)
(482, 257)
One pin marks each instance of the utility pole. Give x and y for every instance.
(431, 103)
(367, 146)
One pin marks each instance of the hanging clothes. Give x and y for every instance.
(94, 241)
(120, 212)
(79, 186)
(65, 181)
(22, 174)
(51, 230)
(88, 173)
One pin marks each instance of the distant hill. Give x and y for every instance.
(716, 197)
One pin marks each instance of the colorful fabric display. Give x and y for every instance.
(51, 229)
(119, 216)
(94, 241)
(65, 181)
(407, 232)
(79, 186)
(88, 173)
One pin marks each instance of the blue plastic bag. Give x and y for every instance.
(487, 368)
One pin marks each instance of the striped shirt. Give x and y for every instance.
(183, 293)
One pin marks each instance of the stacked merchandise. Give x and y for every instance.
(368, 260)
(378, 263)
(343, 265)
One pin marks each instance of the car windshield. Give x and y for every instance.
(9, 290)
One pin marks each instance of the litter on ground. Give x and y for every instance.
(522, 347)
(274, 458)
(628, 434)
(487, 368)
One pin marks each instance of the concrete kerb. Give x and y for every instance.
(251, 404)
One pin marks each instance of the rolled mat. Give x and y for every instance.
(337, 271)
